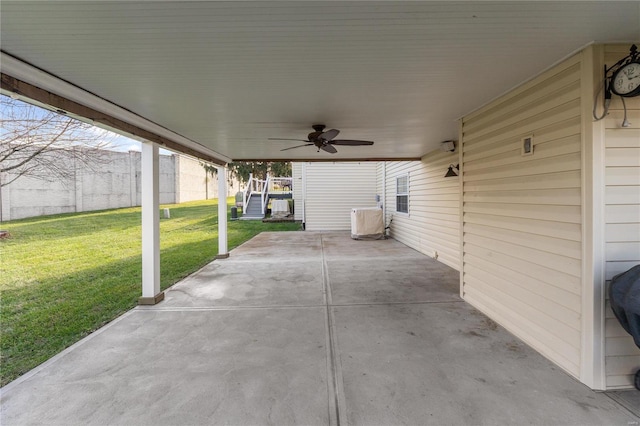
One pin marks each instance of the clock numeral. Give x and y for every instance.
(629, 71)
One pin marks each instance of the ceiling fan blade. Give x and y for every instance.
(280, 139)
(297, 146)
(329, 134)
(349, 142)
(328, 148)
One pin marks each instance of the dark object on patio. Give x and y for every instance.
(624, 295)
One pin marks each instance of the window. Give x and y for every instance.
(402, 194)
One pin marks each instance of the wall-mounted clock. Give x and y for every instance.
(626, 80)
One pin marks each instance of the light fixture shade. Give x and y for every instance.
(453, 171)
(448, 146)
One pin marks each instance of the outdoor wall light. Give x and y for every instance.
(448, 146)
(453, 170)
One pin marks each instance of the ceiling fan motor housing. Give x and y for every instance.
(325, 141)
(313, 136)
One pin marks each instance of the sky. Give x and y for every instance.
(122, 143)
(117, 142)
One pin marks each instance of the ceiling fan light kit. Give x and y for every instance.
(323, 140)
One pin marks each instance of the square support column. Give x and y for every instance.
(222, 213)
(151, 293)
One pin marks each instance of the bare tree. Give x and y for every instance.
(46, 145)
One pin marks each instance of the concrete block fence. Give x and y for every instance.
(116, 185)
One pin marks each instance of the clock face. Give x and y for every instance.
(626, 81)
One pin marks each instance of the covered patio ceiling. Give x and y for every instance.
(223, 77)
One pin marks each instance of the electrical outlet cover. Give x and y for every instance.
(527, 145)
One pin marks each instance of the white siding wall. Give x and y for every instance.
(433, 224)
(522, 242)
(380, 183)
(622, 217)
(333, 189)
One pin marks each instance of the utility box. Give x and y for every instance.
(279, 208)
(367, 224)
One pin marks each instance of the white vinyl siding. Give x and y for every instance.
(333, 189)
(622, 223)
(433, 227)
(522, 236)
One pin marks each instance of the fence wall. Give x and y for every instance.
(117, 185)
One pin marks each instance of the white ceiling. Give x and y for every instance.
(230, 75)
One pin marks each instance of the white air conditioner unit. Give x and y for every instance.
(367, 223)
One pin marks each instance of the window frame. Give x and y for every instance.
(402, 194)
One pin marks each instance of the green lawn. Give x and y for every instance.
(64, 276)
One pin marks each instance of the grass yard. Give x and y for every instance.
(64, 276)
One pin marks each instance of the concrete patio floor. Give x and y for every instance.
(305, 328)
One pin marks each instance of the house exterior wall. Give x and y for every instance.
(432, 225)
(117, 185)
(622, 222)
(536, 232)
(331, 190)
(522, 215)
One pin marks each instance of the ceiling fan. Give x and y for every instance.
(323, 140)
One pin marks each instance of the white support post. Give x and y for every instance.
(151, 293)
(222, 213)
